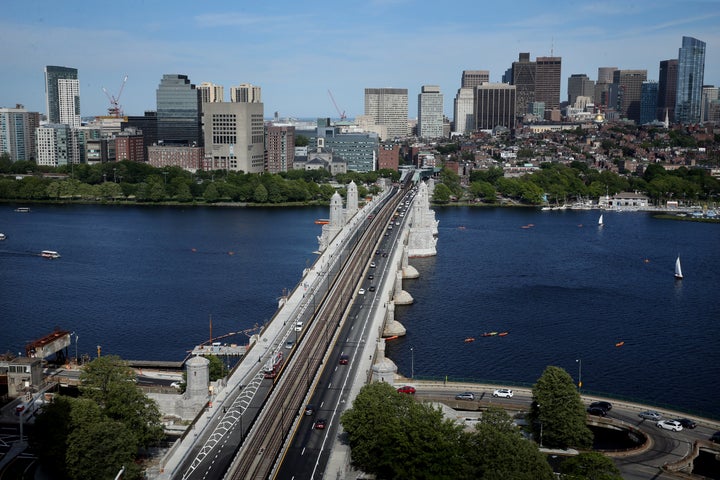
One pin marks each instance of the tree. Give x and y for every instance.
(211, 193)
(260, 195)
(441, 194)
(557, 414)
(49, 437)
(589, 466)
(216, 367)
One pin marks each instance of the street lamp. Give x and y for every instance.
(579, 362)
(412, 363)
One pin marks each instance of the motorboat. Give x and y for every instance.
(49, 254)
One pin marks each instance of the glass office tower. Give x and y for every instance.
(178, 111)
(691, 70)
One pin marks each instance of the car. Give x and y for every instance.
(465, 396)
(715, 438)
(377, 252)
(650, 415)
(372, 265)
(289, 344)
(298, 326)
(384, 254)
(361, 291)
(687, 423)
(406, 389)
(600, 412)
(397, 223)
(387, 234)
(344, 359)
(309, 409)
(320, 424)
(503, 393)
(371, 276)
(607, 406)
(371, 288)
(673, 425)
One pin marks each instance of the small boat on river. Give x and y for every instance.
(52, 254)
(678, 269)
(22, 210)
(489, 334)
(469, 339)
(322, 221)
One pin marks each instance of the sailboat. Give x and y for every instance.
(600, 221)
(678, 270)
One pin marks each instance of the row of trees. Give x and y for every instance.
(107, 427)
(393, 436)
(140, 182)
(558, 183)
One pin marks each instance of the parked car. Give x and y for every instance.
(607, 406)
(309, 409)
(320, 424)
(715, 438)
(650, 415)
(596, 411)
(673, 425)
(503, 393)
(344, 359)
(465, 396)
(407, 389)
(687, 423)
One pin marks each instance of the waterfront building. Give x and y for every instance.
(473, 78)
(523, 78)
(183, 156)
(280, 148)
(17, 132)
(463, 110)
(547, 81)
(234, 136)
(62, 95)
(246, 93)
(430, 112)
(210, 92)
(629, 90)
(99, 150)
(667, 88)
(57, 144)
(178, 111)
(388, 107)
(648, 102)
(580, 85)
(691, 72)
(357, 150)
(495, 105)
(130, 145)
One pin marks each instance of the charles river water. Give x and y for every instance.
(143, 283)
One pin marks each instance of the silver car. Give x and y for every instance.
(465, 396)
(650, 415)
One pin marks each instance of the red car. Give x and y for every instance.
(407, 389)
(320, 424)
(344, 359)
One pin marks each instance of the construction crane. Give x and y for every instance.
(115, 110)
(342, 114)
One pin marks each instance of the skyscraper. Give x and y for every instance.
(62, 95)
(495, 106)
(523, 77)
(234, 136)
(473, 78)
(389, 107)
(629, 85)
(463, 108)
(430, 112)
(710, 103)
(648, 102)
(178, 111)
(579, 85)
(209, 92)
(245, 93)
(17, 132)
(667, 88)
(602, 86)
(280, 148)
(547, 81)
(691, 72)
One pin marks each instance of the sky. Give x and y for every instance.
(297, 51)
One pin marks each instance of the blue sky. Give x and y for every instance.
(297, 51)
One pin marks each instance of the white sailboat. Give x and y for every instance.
(600, 221)
(678, 270)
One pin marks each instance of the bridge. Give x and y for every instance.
(343, 305)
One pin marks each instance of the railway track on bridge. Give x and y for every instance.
(260, 453)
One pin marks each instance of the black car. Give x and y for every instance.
(607, 406)
(371, 288)
(715, 437)
(596, 411)
(687, 423)
(371, 276)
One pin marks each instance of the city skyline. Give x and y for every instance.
(297, 52)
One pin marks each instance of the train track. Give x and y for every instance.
(258, 455)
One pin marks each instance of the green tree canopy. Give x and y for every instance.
(589, 466)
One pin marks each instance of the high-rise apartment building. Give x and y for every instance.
(57, 144)
(209, 92)
(629, 85)
(495, 105)
(280, 148)
(246, 93)
(580, 85)
(667, 88)
(691, 73)
(648, 102)
(178, 111)
(17, 133)
(430, 112)
(62, 95)
(473, 78)
(463, 110)
(523, 77)
(388, 107)
(547, 81)
(234, 136)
